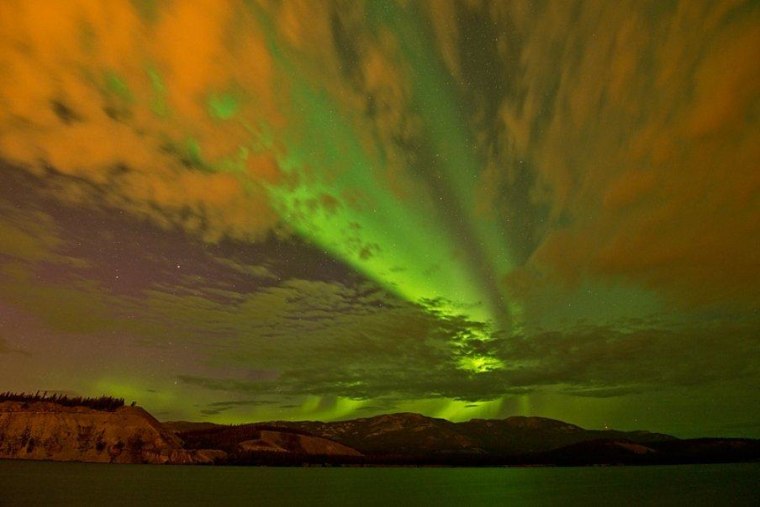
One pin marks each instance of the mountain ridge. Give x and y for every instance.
(45, 430)
(410, 432)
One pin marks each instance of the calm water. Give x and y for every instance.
(42, 483)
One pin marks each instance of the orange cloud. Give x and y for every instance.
(641, 127)
(90, 88)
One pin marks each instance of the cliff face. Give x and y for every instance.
(47, 431)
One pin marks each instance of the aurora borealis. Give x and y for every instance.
(250, 210)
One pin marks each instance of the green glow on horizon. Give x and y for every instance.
(458, 410)
(313, 408)
(132, 391)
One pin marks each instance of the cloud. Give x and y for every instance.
(598, 361)
(409, 353)
(672, 215)
(170, 113)
(605, 152)
(623, 147)
(226, 329)
(119, 106)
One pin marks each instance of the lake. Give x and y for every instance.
(50, 483)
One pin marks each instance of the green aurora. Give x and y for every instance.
(253, 210)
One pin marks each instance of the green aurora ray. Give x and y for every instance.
(428, 249)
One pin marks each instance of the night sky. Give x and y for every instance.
(302, 209)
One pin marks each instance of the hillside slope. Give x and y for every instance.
(415, 434)
(239, 441)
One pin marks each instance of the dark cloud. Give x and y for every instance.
(598, 361)
(589, 362)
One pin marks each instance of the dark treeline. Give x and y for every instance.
(106, 403)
